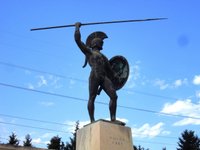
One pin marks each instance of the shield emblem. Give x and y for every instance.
(120, 67)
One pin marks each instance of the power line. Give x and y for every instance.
(11, 116)
(36, 120)
(156, 112)
(80, 80)
(139, 141)
(160, 143)
(3, 138)
(42, 92)
(40, 128)
(160, 136)
(30, 69)
(33, 127)
(102, 103)
(150, 94)
(39, 71)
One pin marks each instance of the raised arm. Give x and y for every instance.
(77, 37)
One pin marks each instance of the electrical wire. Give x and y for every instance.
(160, 143)
(139, 92)
(102, 103)
(39, 71)
(80, 80)
(36, 120)
(33, 127)
(40, 128)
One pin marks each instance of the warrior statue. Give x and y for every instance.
(102, 74)
(108, 75)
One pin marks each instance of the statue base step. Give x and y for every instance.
(104, 135)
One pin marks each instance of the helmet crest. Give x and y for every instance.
(97, 34)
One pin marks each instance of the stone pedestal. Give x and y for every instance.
(104, 135)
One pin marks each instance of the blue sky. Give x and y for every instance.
(43, 84)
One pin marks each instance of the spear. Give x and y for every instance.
(96, 23)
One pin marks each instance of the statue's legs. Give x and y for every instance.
(113, 108)
(93, 88)
(91, 107)
(111, 92)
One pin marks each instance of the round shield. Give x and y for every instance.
(120, 66)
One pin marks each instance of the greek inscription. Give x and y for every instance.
(117, 140)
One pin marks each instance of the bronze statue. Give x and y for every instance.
(109, 75)
(102, 75)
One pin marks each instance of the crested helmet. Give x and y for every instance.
(95, 37)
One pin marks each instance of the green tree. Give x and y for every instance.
(27, 141)
(189, 141)
(140, 148)
(134, 147)
(72, 144)
(55, 143)
(13, 140)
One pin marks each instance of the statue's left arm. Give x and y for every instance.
(111, 74)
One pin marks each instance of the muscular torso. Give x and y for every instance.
(98, 63)
(100, 67)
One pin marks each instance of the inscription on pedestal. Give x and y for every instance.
(117, 140)
(104, 136)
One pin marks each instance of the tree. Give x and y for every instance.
(189, 141)
(139, 148)
(13, 140)
(55, 143)
(27, 141)
(72, 144)
(134, 147)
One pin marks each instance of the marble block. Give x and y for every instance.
(104, 135)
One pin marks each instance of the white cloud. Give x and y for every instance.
(134, 75)
(37, 141)
(55, 81)
(48, 80)
(198, 94)
(42, 81)
(71, 83)
(71, 124)
(122, 119)
(187, 121)
(180, 82)
(47, 135)
(196, 80)
(136, 71)
(130, 82)
(177, 83)
(30, 86)
(184, 108)
(149, 131)
(47, 104)
(161, 83)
